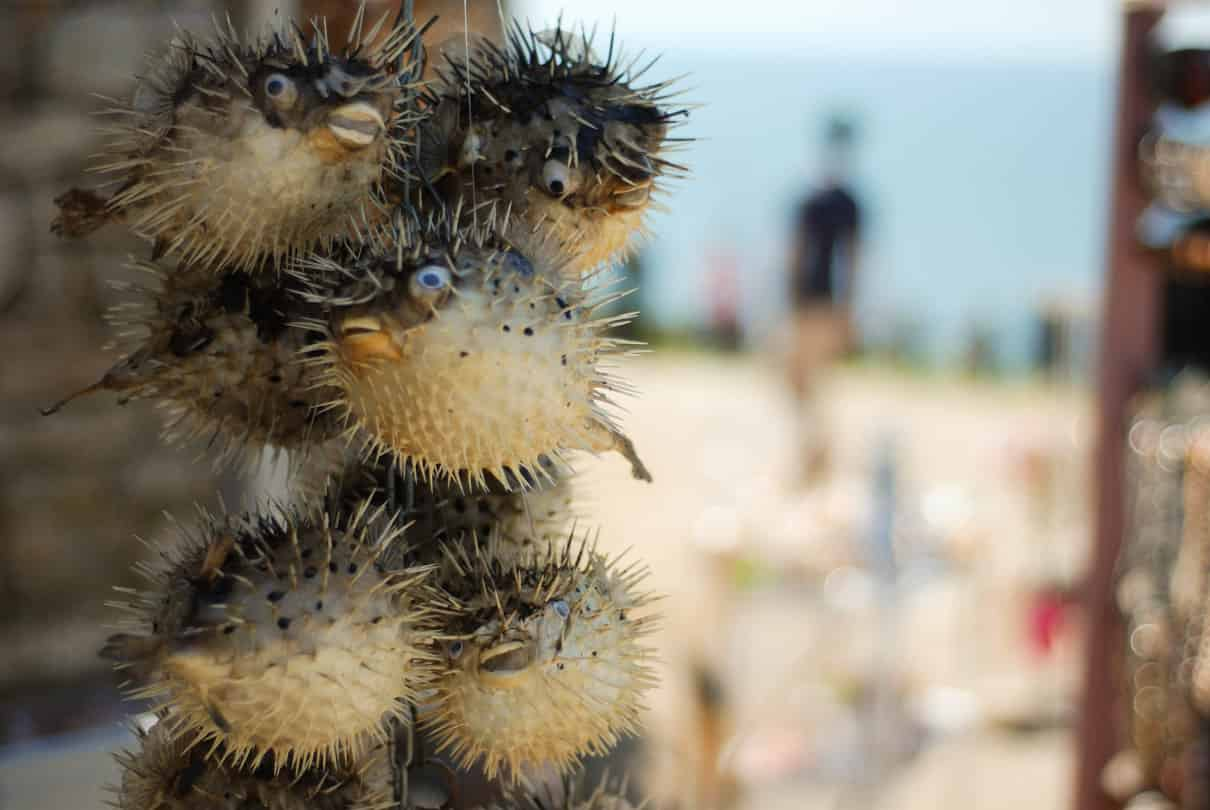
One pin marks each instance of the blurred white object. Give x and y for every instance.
(849, 590)
(716, 530)
(1159, 226)
(946, 710)
(145, 721)
(1184, 27)
(947, 508)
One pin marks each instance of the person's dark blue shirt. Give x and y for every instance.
(827, 221)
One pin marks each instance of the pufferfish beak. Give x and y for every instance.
(364, 339)
(356, 125)
(505, 664)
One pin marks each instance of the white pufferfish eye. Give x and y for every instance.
(280, 89)
(429, 283)
(562, 608)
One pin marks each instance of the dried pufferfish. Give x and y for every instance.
(544, 660)
(572, 793)
(220, 354)
(528, 516)
(571, 145)
(245, 153)
(280, 637)
(166, 773)
(454, 352)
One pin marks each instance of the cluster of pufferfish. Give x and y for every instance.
(395, 283)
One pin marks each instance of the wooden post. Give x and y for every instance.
(1129, 338)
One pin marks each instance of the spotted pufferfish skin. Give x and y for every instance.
(572, 147)
(280, 636)
(454, 352)
(525, 517)
(571, 793)
(165, 772)
(246, 153)
(220, 355)
(544, 660)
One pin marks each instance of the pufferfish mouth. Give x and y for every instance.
(356, 125)
(505, 664)
(364, 339)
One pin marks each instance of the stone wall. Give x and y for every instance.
(76, 487)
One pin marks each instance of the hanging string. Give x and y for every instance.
(470, 115)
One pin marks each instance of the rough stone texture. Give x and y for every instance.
(111, 41)
(77, 487)
(48, 141)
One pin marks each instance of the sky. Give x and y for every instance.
(1030, 30)
(985, 130)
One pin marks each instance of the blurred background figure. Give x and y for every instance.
(724, 292)
(824, 254)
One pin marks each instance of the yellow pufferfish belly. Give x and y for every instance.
(502, 376)
(558, 673)
(279, 639)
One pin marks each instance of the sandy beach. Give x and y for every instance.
(786, 639)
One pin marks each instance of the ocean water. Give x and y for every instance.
(985, 187)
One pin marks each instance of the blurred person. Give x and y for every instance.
(822, 270)
(723, 294)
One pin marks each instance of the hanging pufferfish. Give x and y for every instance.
(571, 793)
(527, 515)
(280, 639)
(240, 155)
(545, 660)
(218, 354)
(453, 351)
(167, 772)
(571, 146)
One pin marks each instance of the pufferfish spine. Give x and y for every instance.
(282, 637)
(572, 793)
(166, 773)
(544, 661)
(527, 517)
(571, 145)
(454, 352)
(528, 520)
(220, 355)
(245, 153)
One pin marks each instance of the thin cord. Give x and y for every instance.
(470, 117)
(403, 797)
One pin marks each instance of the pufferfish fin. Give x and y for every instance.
(81, 211)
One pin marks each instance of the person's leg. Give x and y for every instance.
(797, 357)
(831, 342)
(818, 340)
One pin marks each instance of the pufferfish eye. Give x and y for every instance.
(429, 283)
(556, 178)
(455, 650)
(562, 608)
(280, 89)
